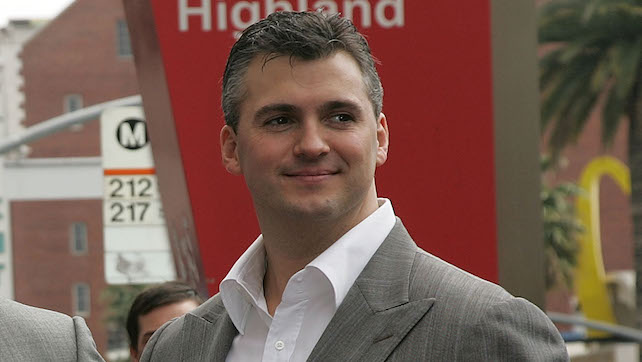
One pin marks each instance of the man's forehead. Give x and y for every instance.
(281, 78)
(281, 68)
(262, 60)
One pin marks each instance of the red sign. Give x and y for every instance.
(436, 72)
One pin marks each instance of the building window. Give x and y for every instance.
(78, 238)
(81, 299)
(72, 102)
(122, 38)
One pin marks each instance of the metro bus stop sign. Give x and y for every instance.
(135, 237)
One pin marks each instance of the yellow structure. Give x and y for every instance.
(590, 275)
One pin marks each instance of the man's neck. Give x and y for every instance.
(290, 249)
(292, 244)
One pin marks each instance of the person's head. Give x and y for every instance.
(302, 35)
(304, 126)
(153, 307)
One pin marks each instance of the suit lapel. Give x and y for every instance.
(358, 333)
(377, 312)
(207, 335)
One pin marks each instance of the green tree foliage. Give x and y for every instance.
(561, 231)
(593, 55)
(118, 299)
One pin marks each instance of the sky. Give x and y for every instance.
(28, 9)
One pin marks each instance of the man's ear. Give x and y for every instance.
(382, 140)
(229, 152)
(134, 354)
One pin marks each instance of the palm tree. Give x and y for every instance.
(593, 59)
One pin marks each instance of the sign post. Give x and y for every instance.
(136, 244)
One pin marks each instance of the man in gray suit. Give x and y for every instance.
(34, 334)
(334, 276)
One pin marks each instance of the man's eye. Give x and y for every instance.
(279, 121)
(341, 118)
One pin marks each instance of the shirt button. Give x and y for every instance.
(279, 345)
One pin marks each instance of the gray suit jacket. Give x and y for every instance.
(34, 334)
(406, 305)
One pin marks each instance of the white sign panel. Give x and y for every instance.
(131, 200)
(136, 243)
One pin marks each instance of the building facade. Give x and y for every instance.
(80, 58)
(12, 38)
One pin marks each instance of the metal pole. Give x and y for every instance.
(64, 121)
(620, 331)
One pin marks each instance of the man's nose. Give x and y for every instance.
(311, 141)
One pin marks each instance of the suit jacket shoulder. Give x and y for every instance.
(34, 334)
(410, 305)
(206, 333)
(479, 320)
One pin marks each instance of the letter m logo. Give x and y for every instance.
(132, 134)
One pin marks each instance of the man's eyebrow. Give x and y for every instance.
(334, 105)
(274, 108)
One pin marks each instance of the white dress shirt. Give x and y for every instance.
(310, 299)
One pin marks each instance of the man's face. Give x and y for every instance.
(307, 141)
(150, 322)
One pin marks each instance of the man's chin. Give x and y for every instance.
(317, 209)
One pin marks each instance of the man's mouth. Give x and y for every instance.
(311, 175)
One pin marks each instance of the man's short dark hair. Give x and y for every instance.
(302, 35)
(154, 297)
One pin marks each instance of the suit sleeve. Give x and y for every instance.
(148, 351)
(163, 345)
(514, 330)
(85, 345)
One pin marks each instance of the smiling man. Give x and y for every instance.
(334, 275)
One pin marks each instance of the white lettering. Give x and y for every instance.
(398, 15)
(328, 6)
(272, 6)
(221, 16)
(241, 14)
(252, 7)
(132, 137)
(205, 11)
(348, 11)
